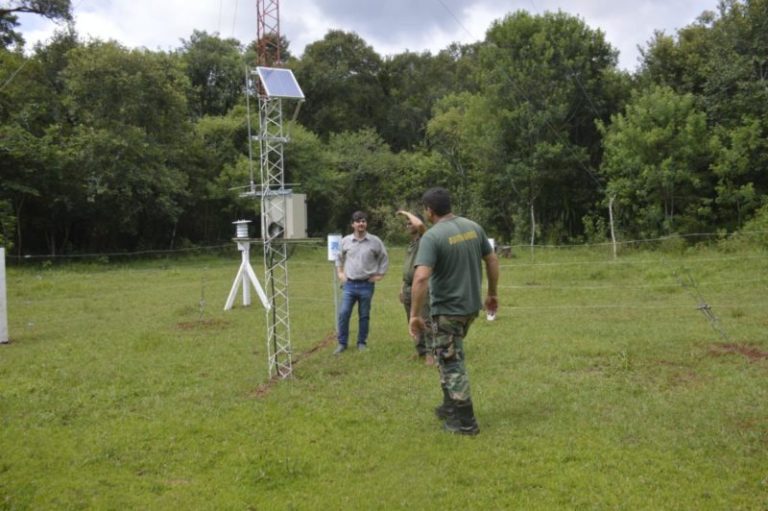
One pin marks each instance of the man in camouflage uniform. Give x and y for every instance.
(415, 227)
(448, 264)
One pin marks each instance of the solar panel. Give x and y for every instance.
(279, 83)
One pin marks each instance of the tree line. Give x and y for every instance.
(534, 130)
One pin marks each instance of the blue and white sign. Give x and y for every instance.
(334, 246)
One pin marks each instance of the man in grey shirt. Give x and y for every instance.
(362, 262)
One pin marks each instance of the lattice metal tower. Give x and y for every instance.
(268, 32)
(273, 215)
(273, 192)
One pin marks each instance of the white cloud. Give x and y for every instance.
(390, 27)
(305, 19)
(146, 23)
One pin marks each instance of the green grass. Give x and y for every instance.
(599, 386)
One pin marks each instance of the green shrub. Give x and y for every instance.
(754, 233)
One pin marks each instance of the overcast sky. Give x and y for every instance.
(390, 26)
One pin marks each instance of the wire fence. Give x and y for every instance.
(717, 236)
(105, 257)
(507, 250)
(732, 280)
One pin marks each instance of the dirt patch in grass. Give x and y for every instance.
(175, 483)
(753, 353)
(264, 388)
(662, 362)
(203, 324)
(679, 374)
(684, 378)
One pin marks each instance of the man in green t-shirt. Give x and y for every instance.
(449, 266)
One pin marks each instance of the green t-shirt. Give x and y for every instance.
(454, 249)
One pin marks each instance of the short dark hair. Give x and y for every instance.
(438, 200)
(359, 215)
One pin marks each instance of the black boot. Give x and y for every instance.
(445, 410)
(463, 420)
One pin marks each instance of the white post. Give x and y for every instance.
(3, 301)
(245, 250)
(533, 229)
(610, 217)
(334, 247)
(246, 277)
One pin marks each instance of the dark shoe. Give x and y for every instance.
(339, 349)
(445, 410)
(459, 429)
(463, 421)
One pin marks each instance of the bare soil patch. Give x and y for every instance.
(752, 353)
(204, 324)
(264, 388)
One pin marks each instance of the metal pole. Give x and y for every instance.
(610, 217)
(3, 301)
(533, 229)
(335, 286)
(334, 248)
(245, 256)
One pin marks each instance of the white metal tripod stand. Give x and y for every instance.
(245, 275)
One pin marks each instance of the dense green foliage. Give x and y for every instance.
(534, 130)
(57, 10)
(656, 164)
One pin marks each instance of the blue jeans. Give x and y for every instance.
(362, 293)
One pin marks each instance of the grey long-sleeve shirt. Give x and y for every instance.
(362, 258)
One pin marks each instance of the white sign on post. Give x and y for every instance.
(334, 246)
(3, 302)
(334, 249)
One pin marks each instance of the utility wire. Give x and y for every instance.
(27, 59)
(9, 80)
(221, 8)
(234, 19)
(456, 18)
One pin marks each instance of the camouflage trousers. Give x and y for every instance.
(447, 344)
(421, 342)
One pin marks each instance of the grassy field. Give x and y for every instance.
(601, 385)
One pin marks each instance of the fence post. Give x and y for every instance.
(533, 229)
(610, 217)
(3, 301)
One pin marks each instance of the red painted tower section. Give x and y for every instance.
(268, 32)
